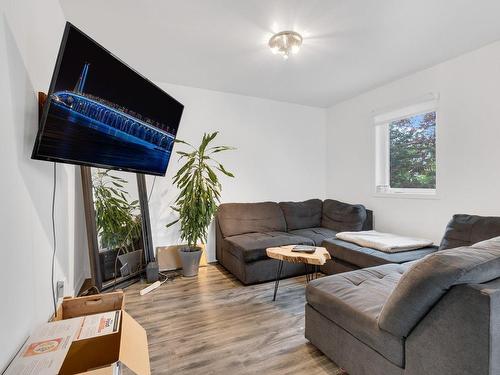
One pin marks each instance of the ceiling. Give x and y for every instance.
(350, 46)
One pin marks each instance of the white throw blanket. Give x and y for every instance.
(386, 242)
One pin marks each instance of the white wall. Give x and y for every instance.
(30, 33)
(281, 152)
(468, 149)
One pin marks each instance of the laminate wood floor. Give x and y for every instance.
(213, 324)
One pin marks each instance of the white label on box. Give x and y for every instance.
(99, 325)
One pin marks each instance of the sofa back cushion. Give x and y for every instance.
(301, 215)
(240, 218)
(342, 217)
(465, 230)
(428, 279)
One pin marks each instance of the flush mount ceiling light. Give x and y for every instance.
(285, 43)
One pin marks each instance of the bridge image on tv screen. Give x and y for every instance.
(109, 116)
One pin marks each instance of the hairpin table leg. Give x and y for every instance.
(278, 276)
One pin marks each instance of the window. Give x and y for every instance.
(406, 150)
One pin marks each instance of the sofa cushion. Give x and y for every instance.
(427, 280)
(366, 257)
(353, 300)
(299, 215)
(342, 217)
(240, 218)
(251, 247)
(318, 235)
(466, 230)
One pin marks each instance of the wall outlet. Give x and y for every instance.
(60, 289)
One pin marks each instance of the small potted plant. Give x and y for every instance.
(198, 198)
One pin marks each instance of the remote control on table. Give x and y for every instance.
(304, 249)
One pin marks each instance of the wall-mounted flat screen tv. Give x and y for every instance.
(100, 112)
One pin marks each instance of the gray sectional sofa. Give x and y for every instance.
(245, 230)
(436, 316)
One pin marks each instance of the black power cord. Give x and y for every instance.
(54, 238)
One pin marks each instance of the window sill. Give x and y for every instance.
(392, 195)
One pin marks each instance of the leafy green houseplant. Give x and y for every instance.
(199, 196)
(118, 224)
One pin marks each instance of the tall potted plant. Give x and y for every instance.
(198, 198)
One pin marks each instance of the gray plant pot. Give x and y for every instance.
(190, 260)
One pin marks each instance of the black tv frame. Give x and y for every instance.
(46, 107)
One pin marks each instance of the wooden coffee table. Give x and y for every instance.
(285, 254)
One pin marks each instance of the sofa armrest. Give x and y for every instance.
(459, 335)
(368, 224)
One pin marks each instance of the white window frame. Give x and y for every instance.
(382, 119)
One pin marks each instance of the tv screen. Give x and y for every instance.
(100, 112)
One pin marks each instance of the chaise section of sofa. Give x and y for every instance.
(437, 315)
(347, 256)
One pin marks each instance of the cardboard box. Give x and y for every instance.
(169, 259)
(72, 344)
(128, 348)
